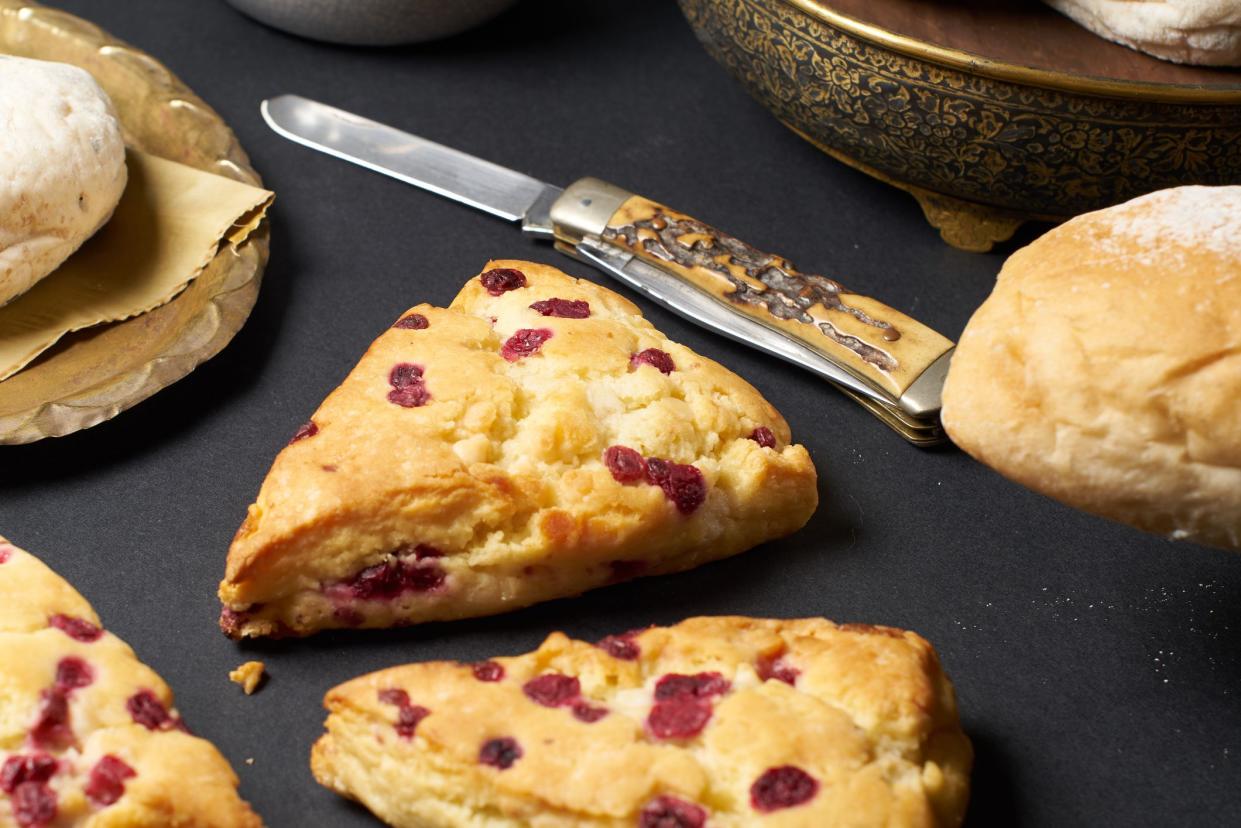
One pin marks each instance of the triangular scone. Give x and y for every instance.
(537, 439)
(720, 722)
(88, 734)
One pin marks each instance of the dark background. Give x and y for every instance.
(1096, 667)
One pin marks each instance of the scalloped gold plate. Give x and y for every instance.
(93, 375)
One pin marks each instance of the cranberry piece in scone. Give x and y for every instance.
(670, 812)
(79, 629)
(552, 689)
(501, 280)
(524, 343)
(661, 361)
(563, 308)
(309, 429)
(413, 322)
(783, 787)
(107, 780)
(487, 671)
(500, 753)
(764, 436)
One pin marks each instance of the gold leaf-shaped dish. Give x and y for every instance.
(93, 375)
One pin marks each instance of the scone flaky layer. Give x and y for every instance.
(478, 459)
(725, 722)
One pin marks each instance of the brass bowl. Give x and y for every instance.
(93, 375)
(989, 114)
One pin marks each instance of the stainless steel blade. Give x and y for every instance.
(442, 170)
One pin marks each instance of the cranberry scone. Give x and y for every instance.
(536, 439)
(88, 734)
(713, 722)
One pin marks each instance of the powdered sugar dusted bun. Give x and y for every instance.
(62, 167)
(1105, 368)
(1207, 32)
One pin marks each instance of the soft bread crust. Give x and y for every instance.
(180, 780)
(871, 717)
(1105, 368)
(502, 470)
(62, 167)
(1206, 32)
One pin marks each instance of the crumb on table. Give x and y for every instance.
(248, 675)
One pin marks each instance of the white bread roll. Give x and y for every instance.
(62, 167)
(1206, 32)
(1105, 368)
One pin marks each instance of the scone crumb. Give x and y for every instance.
(250, 760)
(249, 676)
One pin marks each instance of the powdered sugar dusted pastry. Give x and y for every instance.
(62, 167)
(88, 734)
(1105, 368)
(537, 439)
(1185, 31)
(721, 722)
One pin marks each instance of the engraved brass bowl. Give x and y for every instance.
(93, 375)
(989, 114)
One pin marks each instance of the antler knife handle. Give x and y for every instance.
(862, 335)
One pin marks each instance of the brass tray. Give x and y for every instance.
(990, 114)
(93, 375)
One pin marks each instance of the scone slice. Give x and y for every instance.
(88, 734)
(715, 721)
(537, 439)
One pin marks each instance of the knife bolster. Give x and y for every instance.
(585, 209)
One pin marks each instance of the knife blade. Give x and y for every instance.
(890, 363)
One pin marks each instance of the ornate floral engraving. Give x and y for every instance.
(1026, 149)
(787, 294)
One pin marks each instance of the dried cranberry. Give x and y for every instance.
(408, 715)
(525, 342)
(782, 787)
(657, 359)
(147, 710)
(764, 437)
(682, 484)
(409, 389)
(621, 646)
(564, 308)
(552, 689)
(51, 729)
(72, 673)
(775, 667)
(502, 279)
(697, 686)
(381, 581)
(584, 711)
(500, 753)
(34, 805)
(309, 429)
(79, 629)
(413, 322)
(488, 671)
(625, 464)
(425, 550)
(680, 718)
(231, 620)
(422, 576)
(394, 695)
(5, 552)
(107, 780)
(37, 767)
(670, 812)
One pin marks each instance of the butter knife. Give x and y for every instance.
(890, 363)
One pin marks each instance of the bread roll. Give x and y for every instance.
(62, 167)
(1184, 31)
(1105, 368)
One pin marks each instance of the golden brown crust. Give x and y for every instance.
(870, 717)
(177, 779)
(1105, 368)
(500, 471)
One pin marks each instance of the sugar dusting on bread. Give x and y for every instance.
(1169, 222)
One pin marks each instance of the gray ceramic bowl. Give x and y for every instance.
(373, 22)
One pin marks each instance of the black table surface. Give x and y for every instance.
(1097, 668)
